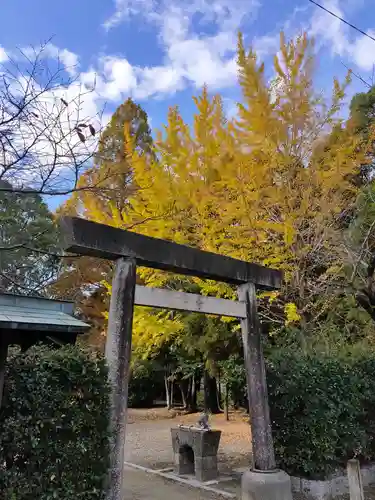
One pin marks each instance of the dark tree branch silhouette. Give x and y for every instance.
(46, 141)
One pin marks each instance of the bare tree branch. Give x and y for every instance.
(359, 77)
(46, 142)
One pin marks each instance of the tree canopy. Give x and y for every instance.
(266, 186)
(28, 243)
(83, 278)
(277, 184)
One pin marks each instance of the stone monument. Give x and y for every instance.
(195, 449)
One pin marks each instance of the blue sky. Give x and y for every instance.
(161, 52)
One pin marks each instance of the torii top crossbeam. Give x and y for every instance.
(99, 240)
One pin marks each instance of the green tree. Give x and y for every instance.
(82, 278)
(360, 246)
(112, 170)
(362, 115)
(358, 236)
(28, 243)
(362, 110)
(209, 341)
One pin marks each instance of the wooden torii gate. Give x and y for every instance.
(130, 249)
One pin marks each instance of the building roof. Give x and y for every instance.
(34, 313)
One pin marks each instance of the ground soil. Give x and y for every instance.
(148, 438)
(148, 443)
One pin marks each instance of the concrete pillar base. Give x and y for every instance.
(272, 485)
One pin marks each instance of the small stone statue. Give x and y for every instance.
(203, 421)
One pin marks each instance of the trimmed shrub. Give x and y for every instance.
(321, 411)
(54, 441)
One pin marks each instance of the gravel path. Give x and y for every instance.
(142, 486)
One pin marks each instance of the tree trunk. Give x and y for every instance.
(226, 403)
(219, 387)
(210, 393)
(189, 393)
(218, 393)
(198, 382)
(171, 397)
(167, 394)
(192, 394)
(182, 386)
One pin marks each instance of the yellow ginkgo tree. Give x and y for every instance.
(269, 186)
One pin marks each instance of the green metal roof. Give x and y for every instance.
(34, 313)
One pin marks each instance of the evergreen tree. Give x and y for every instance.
(361, 119)
(82, 278)
(28, 243)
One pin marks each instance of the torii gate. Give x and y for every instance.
(130, 249)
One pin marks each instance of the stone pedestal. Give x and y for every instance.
(195, 451)
(269, 485)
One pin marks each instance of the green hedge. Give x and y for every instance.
(54, 426)
(322, 411)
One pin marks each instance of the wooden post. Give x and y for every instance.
(355, 480)
(3, 358)
(262, 442)
(118, 355)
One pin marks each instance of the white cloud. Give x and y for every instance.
(157, 80)
(227, 13)
(69, 60)
(192, 54)
(190, 61)
(199, 63)
(117, 16)
(343, 42)
(189, 57)
(363, 52)
(3, 55)
(327, 29)
(174, 26)
(126, 8)
(89, 79)
(267, 44)
(192, 57)
(119, 78)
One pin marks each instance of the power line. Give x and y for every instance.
(343, 20)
